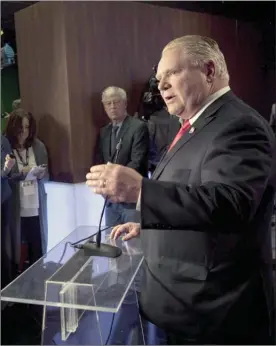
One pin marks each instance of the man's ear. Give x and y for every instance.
(210, 71)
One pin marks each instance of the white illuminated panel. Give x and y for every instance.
(88, 206)
(70, 206)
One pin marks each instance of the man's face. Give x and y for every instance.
(115, 108)
(183, 87)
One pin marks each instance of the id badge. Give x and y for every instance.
(28, 188)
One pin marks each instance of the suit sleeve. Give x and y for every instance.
(140, 148)
(6, 149)
(234, 175)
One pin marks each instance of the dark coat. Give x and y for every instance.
(206, 237)
(134, 136)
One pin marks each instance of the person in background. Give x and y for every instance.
(7, 55)
(205, 214)
(29, 205)
(162, 125)
(133, 136)
(16, 104)
(7, 163)
(162, 129)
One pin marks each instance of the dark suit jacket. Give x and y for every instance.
(205, 228)
(272, 120)
(135, 145)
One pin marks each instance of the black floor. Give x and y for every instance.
(21, 325)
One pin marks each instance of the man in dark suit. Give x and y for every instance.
(126, 141)
(205, 215)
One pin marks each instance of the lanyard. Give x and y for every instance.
(26, 163)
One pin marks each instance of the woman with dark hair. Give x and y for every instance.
(29, 205)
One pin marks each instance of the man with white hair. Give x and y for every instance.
(130, 137)
(205, 214)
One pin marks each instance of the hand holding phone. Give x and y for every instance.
(41, 171)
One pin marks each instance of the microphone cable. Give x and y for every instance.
(113, 160)
(98, 234)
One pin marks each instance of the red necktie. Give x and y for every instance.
(180, 133)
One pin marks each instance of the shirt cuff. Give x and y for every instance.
(138, 204)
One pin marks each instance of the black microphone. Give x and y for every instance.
(97, 248)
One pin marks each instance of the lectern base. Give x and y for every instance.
(104, 250)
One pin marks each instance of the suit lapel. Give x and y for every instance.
(194, 130)
(159, 163)
(205, 118)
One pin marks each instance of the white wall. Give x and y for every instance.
(88, 206)
(70, 206)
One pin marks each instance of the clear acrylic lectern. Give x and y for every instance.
(74, 287)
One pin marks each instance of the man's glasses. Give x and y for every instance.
(110, 103)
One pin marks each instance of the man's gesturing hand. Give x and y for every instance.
(119, 183)
(131, 229)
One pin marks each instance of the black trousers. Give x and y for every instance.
(30, 230)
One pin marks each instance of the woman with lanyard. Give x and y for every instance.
(27, 177)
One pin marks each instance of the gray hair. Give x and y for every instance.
(16, 104)
(113, 90)
(201, 49)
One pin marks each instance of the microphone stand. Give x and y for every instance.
(98, 248)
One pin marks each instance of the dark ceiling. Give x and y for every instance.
(8, 8)
(243, 10)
